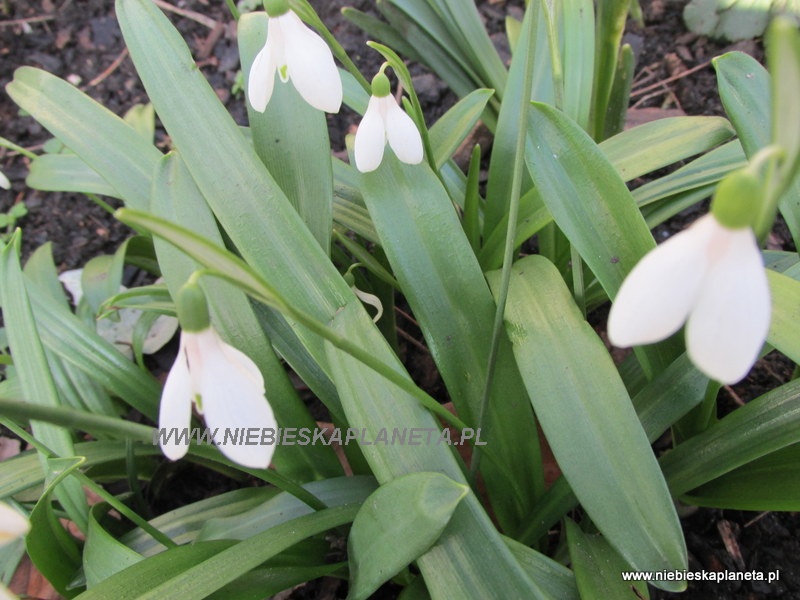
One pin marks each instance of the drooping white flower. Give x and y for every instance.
(13, 525)
(4, 182)
(710, 276)
(295, 52)
(225, 385)
(384, 121)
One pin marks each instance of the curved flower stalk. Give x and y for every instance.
(384, 121)
(712, 277)
(224, 384)
(13, 525)
(296, 53)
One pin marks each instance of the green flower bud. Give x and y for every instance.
(276, 8)
(192, 308)
(737, 200)
(381, 86)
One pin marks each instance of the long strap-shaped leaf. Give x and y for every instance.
(443, 282)
(272, 238)
(121, 155)
(589, 420)
(31, 365)
(591, 205)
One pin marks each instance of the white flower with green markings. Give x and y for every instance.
(224, 384)
(295, 52)
(384, 121)
(710, 276)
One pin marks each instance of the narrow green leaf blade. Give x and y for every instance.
(591, 205)
(105, 142)
(770, 483)
(443, 282)
(597, 439)
(764, 425)
(598, 567)
(31, 367)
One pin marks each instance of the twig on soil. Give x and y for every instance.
(756, 519)
(663, 82)
(737, 399)
(189, 14)
(411, 340)
(111, 68)
(27, 20)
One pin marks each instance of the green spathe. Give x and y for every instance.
(192, 307)
(276, 8)
(736, 202)
(380, 85)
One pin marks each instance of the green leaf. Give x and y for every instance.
(187, 573)
(784, 329)
(504, 577)
(745, 88)
(335, 491)
(770, 483)
(444, 285)
(516, 95)
(400, 521)
(291, 139)
(610, 23)
(598, 567)
(555, 579)
(66, 173)
(101, 278)
(183, 524)
(577, 22)
(591, 205)
(449, 132)
(103, 555)
(54, 551)
(23, 471)
(105, 142)
(31, 366)
(764, 425)
(660, 143)
(597, 439)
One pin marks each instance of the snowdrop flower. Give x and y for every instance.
(385, 121)
(13, 525)
(296, 53)
(4, 182)
(223, 383)
(712, 276)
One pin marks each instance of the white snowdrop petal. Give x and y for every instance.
(730, 322)
(311, 66)
(234, 399)
(658, 294)
(4, 182)
(175, 410)
(370, 138)
(13, 525)
(261, 80)
(403, 135)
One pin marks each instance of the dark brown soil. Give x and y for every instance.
(80, 40)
